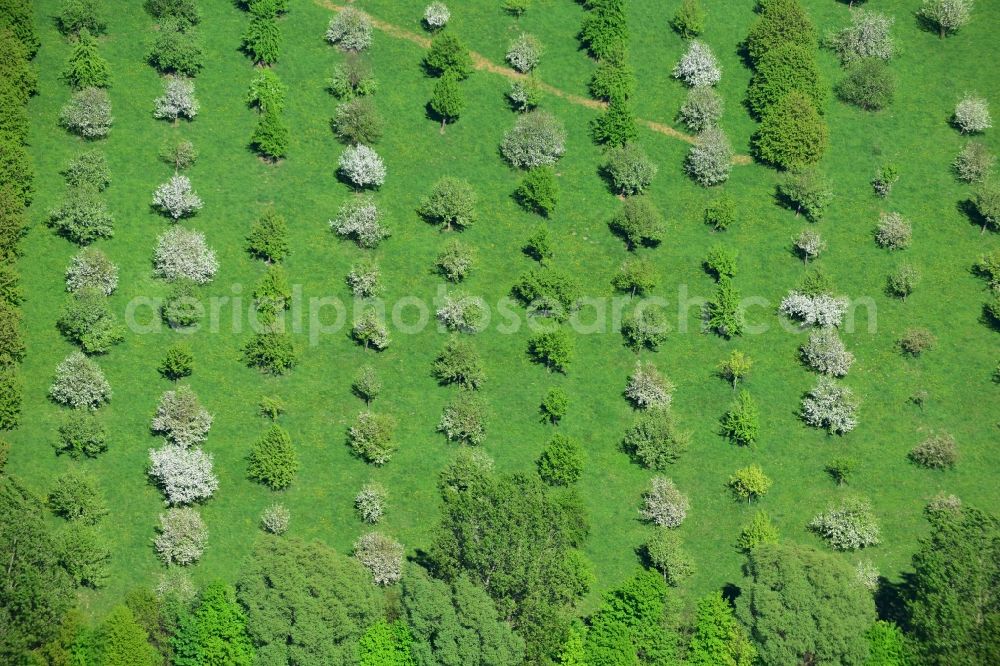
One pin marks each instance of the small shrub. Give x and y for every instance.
(350, 30)
(663, 504)
(271, 351)
(850, 525)
(654, 439)
(182, 536)
(629, 169)
(721, 262)
(274, 519)
(903, 281)
(869, 84)
(936, 452)
(972, 115)
(370, 502)
(749, 483)
(539, 245)
(665, 553)
(524, 53)
(463, 419)
(181, 307)
(975, 163)
(272, 460)
(702, 109)
(80, 382)
(371, 437)
(561, 462)
(76, 496)
(382, 556)
(455, 261)
(885, 177)
(916, 341)
(721, 213)
(894, 232)
(364, 279)
(841, 469)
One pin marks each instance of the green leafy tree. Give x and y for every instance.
(741, 424)
(386, 644)
(616, 126)
(272, 460)
(804, 606)
(718, 639)
(452, 202)
(631, 625)
(262, 40)
(869, 84)
(666, 554)
(214, 633)
(18, 17)
(645, 327)
(82, 216)
(510, 535)
(749, 483)
(306, 603)
(75, 16)
(613, 78)
(721, 213)
(178, 362)
(780, 22)
(561, 461)
(459, 363)
(76, 496)
(87, 320)
(271, 136)
(736, 367)
(11, 395)
(605, 28)
(176, 49)
(554, 405)
(655, 440)
(121, 641)
(84, 554)
(639, 223)
(456, 624)
(538, 190)
(35, 591)
(760, 530)
(447, 102)
(539, 246)
(553, 349)
(725, 314)
(782, 70)
(689, 21)
(448, 54)
(841, 469)
(86, 68)
(954, 610)
(886, 645)
(80, 433)
(807, 192)
(792, 134)
(636, 276)
(268, 238)
(721, 262)
(271, 351)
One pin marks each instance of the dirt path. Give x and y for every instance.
(480, 62)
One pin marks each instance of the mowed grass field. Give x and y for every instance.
(914, 133)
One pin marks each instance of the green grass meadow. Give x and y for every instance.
(235, 185)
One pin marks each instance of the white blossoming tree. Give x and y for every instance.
(698, 66)
(183, 254)
(663, 504)
(358, 220)
(182, 536)
(80, 383)
(181, 418)
(177, 101)
(177, 198)
(184, 474)
(362, 166)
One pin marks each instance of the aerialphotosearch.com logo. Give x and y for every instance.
(322, 316)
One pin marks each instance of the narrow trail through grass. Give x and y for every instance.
(482, 63)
